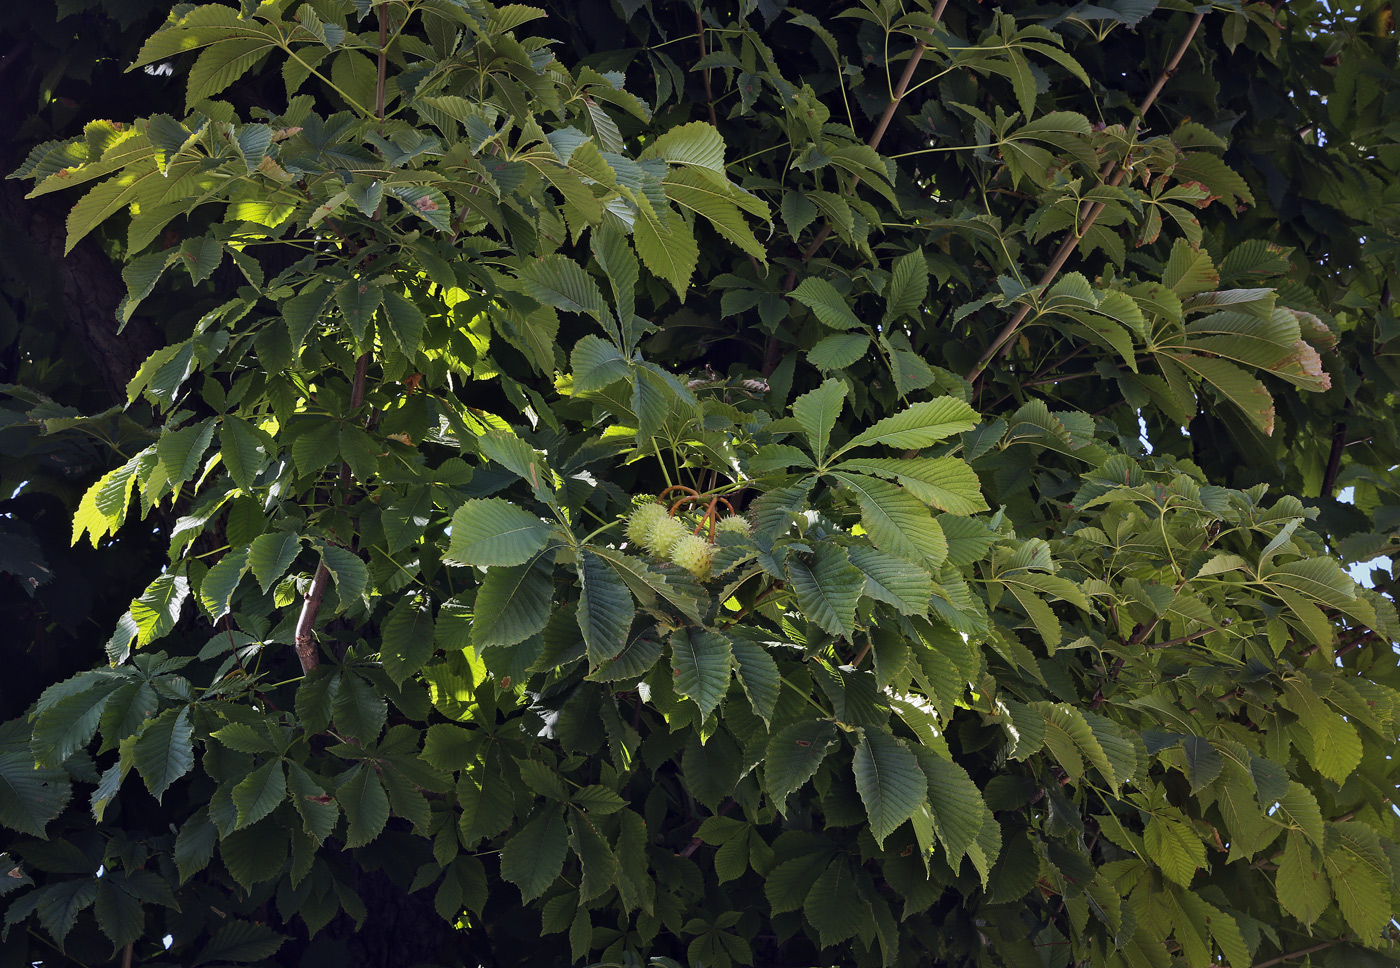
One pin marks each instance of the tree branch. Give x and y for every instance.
(705, 73)
(1334, 460)
(1067, 247)
(382, 81)
(771, 356)
(311, 606)
(1301, 952)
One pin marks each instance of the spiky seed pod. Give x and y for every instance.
(664, 535)
(694, 554)
(734, 523)
(643, 521)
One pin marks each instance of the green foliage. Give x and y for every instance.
(514, 325)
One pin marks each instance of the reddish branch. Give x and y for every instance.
(696, 842)
(1112, 178)
(307, 654)
(1362, 638)
(311, 606)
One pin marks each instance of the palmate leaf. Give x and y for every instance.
(407, 642)
(596, 858)
(605, 609)
(157, 610)
(405, 321)
(758, 674)
(254, 854)
(221, 581)
(956, 807)
(534, 857)
(494, 532)
(1319, 579)
(696, 145)
(817, 412)
(270, 555)
(259, 793)
(223, 63)
(920, 425)
(828, 588)
(243, 448)
(164, 752)
(181, 451)
(141, 181)
(359, 711)
(1234, 384)
(1175, 848)
(518, 457)
(948, 483)
(1072, 741)
(702, 195)
(513, 603)
(892, 580)
(634, 659)
(831, 904)
(119, 913)
(30, 796)
(651, 586)
(838, 351)
(596, 364)
(1360, 874)
(366, 805)
(889, 781)
(60, 904)
(66, 726)
(829, 305)
(241, 941)
(701, 660)
(346, 568)
(1301, 885)
(794, 754)
(619, 265)
(897, 521)
(102, 509)
(968, 539)
(357, 300)
(562, 283)
(667, 247)
(907, 287)
(194, 845)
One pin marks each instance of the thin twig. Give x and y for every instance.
(1139, 636)
(695, 842)
(127, 954)
(705, 72)
(1003, 340)
(860, 656)
(1301, 952)
(311, 606)
(1182, 640)
(771, 354)
(1365, 636)
(382, 81)
(1334, 460)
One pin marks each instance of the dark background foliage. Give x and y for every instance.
(1303, 97)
